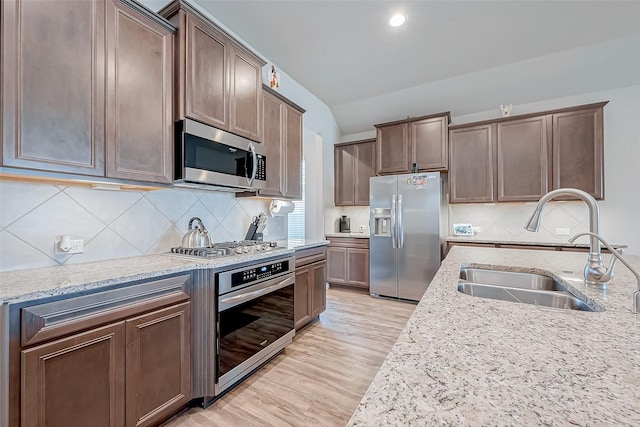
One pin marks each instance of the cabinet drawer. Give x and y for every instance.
(55, 319)
(311, 255)
(351, 242)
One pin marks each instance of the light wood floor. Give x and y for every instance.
(320, 378)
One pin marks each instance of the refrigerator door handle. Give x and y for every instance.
(400, 233)
(393, 222)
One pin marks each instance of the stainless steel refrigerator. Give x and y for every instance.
(407, 233)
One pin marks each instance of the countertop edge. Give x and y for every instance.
(473, 239)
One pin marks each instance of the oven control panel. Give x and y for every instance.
(261, 272)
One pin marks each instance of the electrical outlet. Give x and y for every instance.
(363, 227)
(562, 231)
(477, 230)
(77, 246)
(64, 245)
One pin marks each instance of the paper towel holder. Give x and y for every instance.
(281, 207)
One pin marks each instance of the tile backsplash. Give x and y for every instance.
(359, 215)
(505, 221)
(114, 224)
(497, 221)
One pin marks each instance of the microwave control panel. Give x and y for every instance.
(261, 168)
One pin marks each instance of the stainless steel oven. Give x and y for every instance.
(254, 318)
(206, 155)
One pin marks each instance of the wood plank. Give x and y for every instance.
(320, 378)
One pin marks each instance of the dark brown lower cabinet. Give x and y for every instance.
(158, 364)
(120, 357)
(135, 373)
(348, 262)
(75, 381)
(310, 291)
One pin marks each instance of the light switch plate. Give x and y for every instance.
(562, 231)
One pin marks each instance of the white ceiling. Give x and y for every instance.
(462, 56)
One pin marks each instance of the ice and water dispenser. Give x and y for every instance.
(382, 222)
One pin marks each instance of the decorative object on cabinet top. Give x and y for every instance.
(506, 109)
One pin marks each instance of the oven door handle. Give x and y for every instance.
(239, 299)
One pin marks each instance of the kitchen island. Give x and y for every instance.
(464, 360)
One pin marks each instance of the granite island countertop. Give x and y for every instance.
(582, 243)
(30, 284)
(463, 360)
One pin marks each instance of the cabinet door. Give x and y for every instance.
(273, 136)
(472, 165)
(578, 151)
(75, 381)
(158, 364)
(523, 159)
(206, 74)
(53, 100)
(318, 288)
(429, 139)
(293, 153)
(344, 162)
(336, 265)
(245, 98)
(358, 267)
(392, 149)
(302, 297)
(364, 169)
(139, 115)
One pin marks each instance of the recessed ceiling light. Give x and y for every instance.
(397, 20)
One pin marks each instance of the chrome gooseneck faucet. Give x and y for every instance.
(595, 273)
(616, 255)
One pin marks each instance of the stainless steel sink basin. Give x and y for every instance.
(511, 279)
(554, 299)
(526, 288)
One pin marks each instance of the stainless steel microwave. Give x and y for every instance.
(205, 155)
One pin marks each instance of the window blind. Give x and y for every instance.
(296, 218)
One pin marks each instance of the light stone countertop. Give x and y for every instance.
(31, 284)
(302, 244)
(355, 235)
(468, 361)
(583, 243)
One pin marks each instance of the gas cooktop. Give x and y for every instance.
(223, 249)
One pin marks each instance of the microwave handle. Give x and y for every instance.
(252, 148)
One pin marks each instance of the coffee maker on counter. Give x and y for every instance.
(345, 224)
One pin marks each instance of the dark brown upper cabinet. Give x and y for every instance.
(472, 163)
(533, 154)
(87, 89)
(354, 164)
(421, 140)
(282, 128)
(218, 81)
(139, 112)
(578, 147)
(524, 159)
(392, 148)
(53, 85)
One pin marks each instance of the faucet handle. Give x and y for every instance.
(608, 275)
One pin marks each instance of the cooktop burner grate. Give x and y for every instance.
(226, 249)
